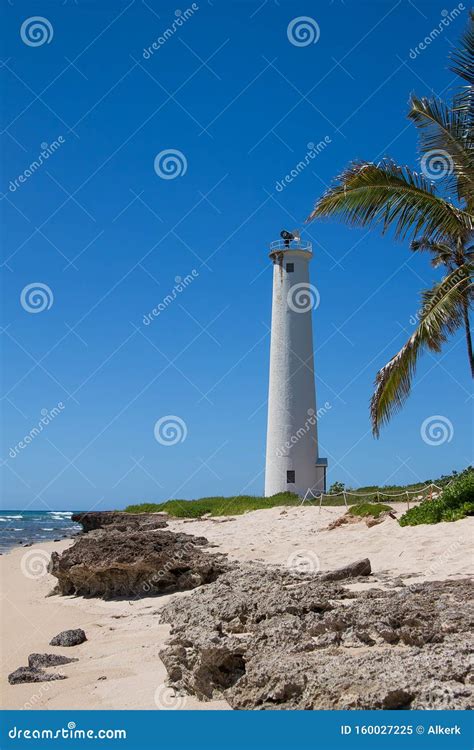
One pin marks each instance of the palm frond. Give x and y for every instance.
(391, 196)
(463, 57)
(441, 315)
(443, 253)
(463, 65)
(446, 142)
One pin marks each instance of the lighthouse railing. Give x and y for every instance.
(281, 245)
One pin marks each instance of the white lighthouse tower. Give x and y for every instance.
(292, 460)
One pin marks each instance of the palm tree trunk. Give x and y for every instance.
(467, 327)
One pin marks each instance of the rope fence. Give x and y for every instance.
(347, 493)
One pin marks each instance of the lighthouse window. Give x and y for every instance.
(290, 477)
(290, 267)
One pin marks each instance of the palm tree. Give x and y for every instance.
(391, 196)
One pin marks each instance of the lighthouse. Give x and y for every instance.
(292, 457)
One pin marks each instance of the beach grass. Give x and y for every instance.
(368, 509)
(235, 506)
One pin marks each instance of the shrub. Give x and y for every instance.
(455, 502)
(368, 509)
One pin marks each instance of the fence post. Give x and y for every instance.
(320, 502)
(408, 500)
(345, 499)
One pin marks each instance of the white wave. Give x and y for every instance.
(47, 529)
(9, 518)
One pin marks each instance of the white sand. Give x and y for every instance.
(124, 638)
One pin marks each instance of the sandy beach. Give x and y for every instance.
(119, 666)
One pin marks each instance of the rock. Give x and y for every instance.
(102, 677)
(259, 640)
(112, 563)
(69, 638)
(31, 674)
(355, 569)
(48, 660)
(92, 520)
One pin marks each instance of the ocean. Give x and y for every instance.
(19, 527)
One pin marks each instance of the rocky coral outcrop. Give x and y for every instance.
(119, 520)
(112, 563)
(266, 639)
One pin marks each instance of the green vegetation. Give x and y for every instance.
(455, 502)
(234, 506)
(337, 487)
(368, 509)
(438, 218)
(216, 506)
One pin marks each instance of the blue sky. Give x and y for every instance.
(108, 236)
